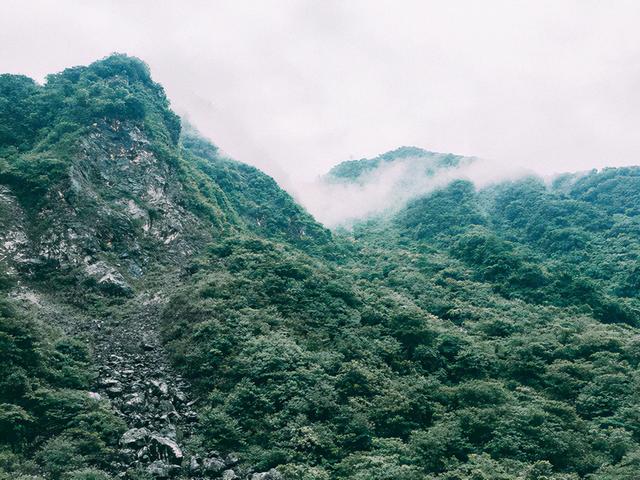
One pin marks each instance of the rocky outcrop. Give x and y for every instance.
(136, 378)
(118, 215)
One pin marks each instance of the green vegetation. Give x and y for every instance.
(475, 335)
(40, 126)
(490, 331)
(357, 170)
(49, 423)
(252, 200)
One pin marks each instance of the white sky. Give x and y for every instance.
(295, 87)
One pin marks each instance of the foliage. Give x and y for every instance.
(44, 412)
(477, 334)
(40, 126)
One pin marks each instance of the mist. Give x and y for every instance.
(295, 87)
(389, 187)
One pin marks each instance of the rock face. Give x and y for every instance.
(123, 211)
(118, 214)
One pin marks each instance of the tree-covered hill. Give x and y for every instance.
(169, 312)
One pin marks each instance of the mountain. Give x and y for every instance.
(417, 161)
(169, 312)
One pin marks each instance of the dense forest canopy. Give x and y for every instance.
(476, 333)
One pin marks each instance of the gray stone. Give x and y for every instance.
(213, 465)
(115, 389)
(134, 401)
(108, 278)
(159, 469)
(166, 449)
(166, 406)
(109, 382)
(147, 343)
(95, 396)
(272, 474)
(229, 475)
(134, 437)
(160, 386)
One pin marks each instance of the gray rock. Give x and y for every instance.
(147, 343)
(128, 454)
(108, 278)
(194, 466)
(135, 437)
(135, 401)
(165, 449)
(95, 396)
(179, 396)
(160, 469)
(160, 386)
(115, 389)
(272, 474)
(213, 465)
(109, 382)
(229, 475)
(143, 454)
(166, 406)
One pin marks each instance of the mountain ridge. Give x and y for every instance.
(167, 312)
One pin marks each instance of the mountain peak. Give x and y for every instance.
(355, 170)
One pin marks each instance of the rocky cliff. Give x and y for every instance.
(102, 205)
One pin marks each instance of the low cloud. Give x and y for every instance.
(387, 188)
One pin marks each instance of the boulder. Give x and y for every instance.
(147, 342)
(135, 437)
(194, 466)
(161, 387)
(134, 401)
(272, 474)
(213, 465)
(164, 448)
(161, 469)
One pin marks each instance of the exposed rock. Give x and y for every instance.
(272, 474)
(147, 342)
(229, 475)
(165, 449)
(135, 401)
(119, 216)
(194, 466)
(213, 465)
(134, 437)
(109, 382)
(160, 386)
(161, 469)
(180, 396)
(115, 389)
(108, 278)
(231, 460)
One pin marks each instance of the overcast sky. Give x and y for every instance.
(295, 87)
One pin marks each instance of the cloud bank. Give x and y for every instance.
(387, 188)
(296, 86)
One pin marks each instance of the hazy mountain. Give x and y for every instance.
(169, 312)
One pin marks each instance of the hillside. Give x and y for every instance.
(169, 312)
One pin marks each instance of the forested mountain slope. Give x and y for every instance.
(167, 311)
